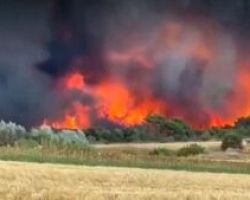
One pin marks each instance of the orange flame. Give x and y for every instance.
(115, 101)
(75, 82)
(119, 105)
(75, 118)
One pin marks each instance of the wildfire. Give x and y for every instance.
(113, 102)
(126, 98)
(121, 106)
(75, 118)
(75, 82)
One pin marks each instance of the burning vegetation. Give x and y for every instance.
(191, 69)
(115, 64)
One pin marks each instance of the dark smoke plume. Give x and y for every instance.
(42, 41)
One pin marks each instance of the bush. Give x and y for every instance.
(27, 143)
(72, 139)
(66, 138)
(232, 140)
(132, 134)
(40, 135)
(136, 134)
(217, 133)
(162, 152)
(243, 122)
(10, 133)
(205, 136)
(159, 125)
(190, 150)
(181, 131)
(100, 135)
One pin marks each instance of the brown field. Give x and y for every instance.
(26, 181)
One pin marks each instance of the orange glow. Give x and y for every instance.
(75, 82)
(119, 105)
(126, 96)
(76, 118)
(218, 121)
(238, 103)
(133, 56)
(114, 102)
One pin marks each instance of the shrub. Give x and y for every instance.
(159, 125)
(162, 152)
(10, 133)
(244, 131)
(66, 138)
(27, 143)
(135, 134)
(132, 134)
(42, 134)
(181, 131)
(205, 136)
(232, 140)
(101, 135)
(193, 149)
(217, 133)
(72, 139)
(243, 122)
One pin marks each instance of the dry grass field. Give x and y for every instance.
(28, 181)
(211, 145)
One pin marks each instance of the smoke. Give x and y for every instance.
(180, 57)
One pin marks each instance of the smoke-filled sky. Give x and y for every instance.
(78, 63)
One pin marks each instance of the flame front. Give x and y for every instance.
(113, 102)
(181, 72)
(119, 105)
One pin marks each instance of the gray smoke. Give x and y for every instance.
(42, 40)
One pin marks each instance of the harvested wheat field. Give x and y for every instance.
(57, 182)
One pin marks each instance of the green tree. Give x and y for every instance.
(169, 127)
(157, 124)
(233, 140)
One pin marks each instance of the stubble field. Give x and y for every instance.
(32, 181)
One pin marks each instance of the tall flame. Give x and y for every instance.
(127, 95)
